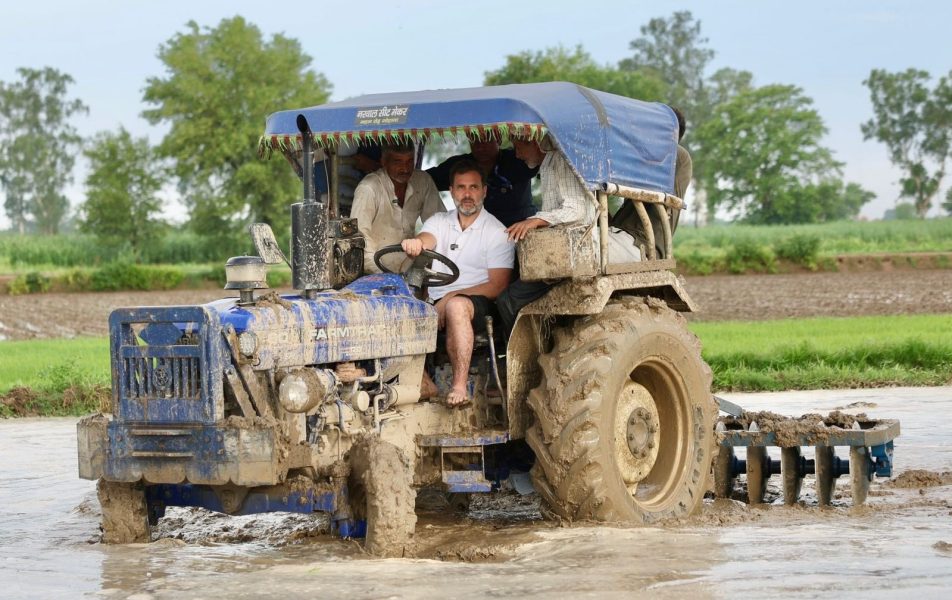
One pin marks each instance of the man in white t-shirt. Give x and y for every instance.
(477, 242)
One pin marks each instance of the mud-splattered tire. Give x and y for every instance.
(624, 427)
(124, 512)
(381, 487)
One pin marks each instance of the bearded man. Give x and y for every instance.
(479, 245)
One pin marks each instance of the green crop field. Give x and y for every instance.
(768, 249)
(843, 237)
(828, 352)
(745, 356)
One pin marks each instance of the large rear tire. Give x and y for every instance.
(624, 428)
(124, 512)
(381, 487)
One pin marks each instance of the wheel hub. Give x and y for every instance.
(641, 432)
(637, 433)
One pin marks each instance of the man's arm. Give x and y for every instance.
(364, 210)
(575, 204)
(498, 281)
(416, 245)
(566, 198)
(500, 254)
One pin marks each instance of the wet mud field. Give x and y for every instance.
(898, 545)
(720, 297)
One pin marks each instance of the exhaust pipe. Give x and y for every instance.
(310, 245)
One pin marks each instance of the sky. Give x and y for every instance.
(827, 48)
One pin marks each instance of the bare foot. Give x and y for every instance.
(457, 397)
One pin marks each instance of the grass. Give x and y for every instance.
(756, 248)
(65, 377)
(72, 376)
(181, 259)
(842, 237)
(44, 252)
(828, 352)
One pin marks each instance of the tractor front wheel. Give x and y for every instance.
(124, 512)
(381, 488)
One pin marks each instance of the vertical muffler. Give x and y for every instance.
(310, 244)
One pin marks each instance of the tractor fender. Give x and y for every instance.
(577, 297)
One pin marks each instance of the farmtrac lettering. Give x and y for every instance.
(349, 331)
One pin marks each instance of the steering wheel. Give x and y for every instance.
(420, 274)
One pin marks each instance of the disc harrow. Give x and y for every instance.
(870, 444)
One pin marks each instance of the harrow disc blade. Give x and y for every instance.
(792, 477)
(724, 472)
(756, 474)
(860, 467)
(825, 481)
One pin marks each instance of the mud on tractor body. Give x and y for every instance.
(311, 402)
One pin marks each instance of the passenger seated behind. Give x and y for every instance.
(355, 163)
(476, 241)
(565, 201)
(626, 219)
(508, 180)
(388, 202)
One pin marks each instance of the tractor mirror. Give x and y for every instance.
(266, 244)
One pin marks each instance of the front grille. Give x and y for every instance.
(147, 378)
(166, 363)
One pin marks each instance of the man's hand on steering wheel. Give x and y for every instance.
(413, 247)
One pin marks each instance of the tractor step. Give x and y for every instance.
(870, 444)
(476, 438)
(462, 458)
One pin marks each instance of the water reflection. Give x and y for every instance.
(48, 518)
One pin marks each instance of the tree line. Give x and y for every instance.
(757, 149)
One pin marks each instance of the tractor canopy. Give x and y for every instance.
(605, 137)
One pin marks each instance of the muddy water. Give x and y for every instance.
(900, 544)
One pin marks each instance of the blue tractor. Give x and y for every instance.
(311, 401)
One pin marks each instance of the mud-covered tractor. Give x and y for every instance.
(311, 401)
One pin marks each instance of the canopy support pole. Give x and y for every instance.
(332, 183)
(665, 219)
(649, 231)
(603, 231)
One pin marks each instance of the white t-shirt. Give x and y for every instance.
(483, 246)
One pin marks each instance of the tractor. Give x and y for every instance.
(311, 401)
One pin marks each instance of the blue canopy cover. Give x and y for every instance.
(605, 137)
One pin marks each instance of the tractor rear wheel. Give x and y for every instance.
(124, 512)
(382, 493)
(624, 427)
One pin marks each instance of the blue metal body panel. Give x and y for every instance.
(468, 481)
(454, 441)
(882, 459)
(374, 317)
(201, 454)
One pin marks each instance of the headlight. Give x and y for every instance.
(293, 394)
(304, 389)
(247, 343)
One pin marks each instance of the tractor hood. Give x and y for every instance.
(376, 316)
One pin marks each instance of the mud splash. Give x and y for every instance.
(898, 544)
(920, 478)
(789, 431)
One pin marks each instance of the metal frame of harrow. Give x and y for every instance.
(871, 449)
